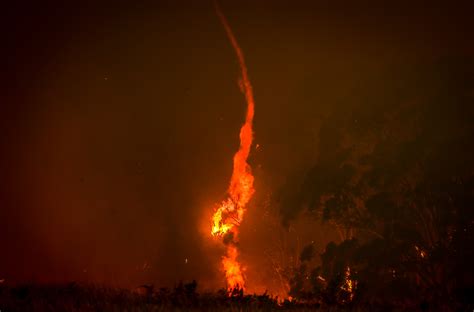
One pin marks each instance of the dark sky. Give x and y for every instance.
(118, 122)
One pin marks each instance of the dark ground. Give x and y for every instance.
(183, 297)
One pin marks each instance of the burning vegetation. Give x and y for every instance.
(385, 183)
(395, 180)
(378, 216)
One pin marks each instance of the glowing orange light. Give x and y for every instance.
(349, 284)
(233, 270)
(230, 213)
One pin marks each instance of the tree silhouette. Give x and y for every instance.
(395, 176)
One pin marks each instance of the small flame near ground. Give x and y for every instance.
(229, 214)
(349, 284)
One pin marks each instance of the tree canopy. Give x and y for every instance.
(395, 177)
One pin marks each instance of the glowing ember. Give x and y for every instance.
(349, 284)
(421, 252)
(230, 213)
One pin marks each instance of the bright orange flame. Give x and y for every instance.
(233, 270)
(230, 213)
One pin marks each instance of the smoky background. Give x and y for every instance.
(119, 122)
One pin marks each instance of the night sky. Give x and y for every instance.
(118, 123)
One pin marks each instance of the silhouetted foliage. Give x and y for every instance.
(395, 177)
(183, 297)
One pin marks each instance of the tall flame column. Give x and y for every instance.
(230, 213)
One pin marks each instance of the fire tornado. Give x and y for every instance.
(230, 213)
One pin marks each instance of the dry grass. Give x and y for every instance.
(76, 297)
